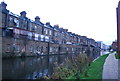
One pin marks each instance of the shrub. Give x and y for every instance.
(73, 66)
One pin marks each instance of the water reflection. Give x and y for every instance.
(30, 67)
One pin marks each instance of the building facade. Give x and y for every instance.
(118, 28)
(22, 36)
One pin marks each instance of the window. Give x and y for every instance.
(46, 48)
(36, 36)
(3, 19)
(50, 49)
(72, 49)
(17, 31)
(8, 48)
(9, 32)
(55, 33)
(34, 49)
(38, 48)
(56, 49)
(17, 48)
(66, 49)
(31, 48)
(23, 24)
(29, 35)
(39, 37)
(50, 32)
(46, 31)
(35, 28)
(16, 22)
(16, 35)
(46, 38)
(42, 49)
(3, 32)
(11, 19)
(42, 37)
(30, 27)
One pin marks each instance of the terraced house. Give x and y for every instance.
(22, 36)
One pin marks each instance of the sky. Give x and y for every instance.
(92, 18)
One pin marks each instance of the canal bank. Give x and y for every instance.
(91, 70)
(34, 67)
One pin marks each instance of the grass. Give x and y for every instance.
(81, 68)
(95, 70)
(117, 56)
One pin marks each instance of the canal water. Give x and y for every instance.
(30, 67)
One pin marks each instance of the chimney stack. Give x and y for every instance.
(56, 26)
(3, 5)
(23, 14)
(66, 30)
(48, 23)
(37, 19)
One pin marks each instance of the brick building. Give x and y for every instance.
(22, 36)
(114, 46)
(118, 27)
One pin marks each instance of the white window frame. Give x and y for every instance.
(50, 32)
(36, 36)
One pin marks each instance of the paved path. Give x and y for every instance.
(110, 69)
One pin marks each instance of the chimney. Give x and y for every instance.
(47, 23)
(56, 26)
(66, 30)
(62, 29)
(3, 5)
(23, 14)
(37, 19)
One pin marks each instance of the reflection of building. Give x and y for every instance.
(118, 28)
(21, 35)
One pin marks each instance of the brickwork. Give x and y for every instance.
(118, 27)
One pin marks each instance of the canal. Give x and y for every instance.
(31, 67)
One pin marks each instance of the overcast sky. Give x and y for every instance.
(92, 18)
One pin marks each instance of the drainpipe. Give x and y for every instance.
(48, 51)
